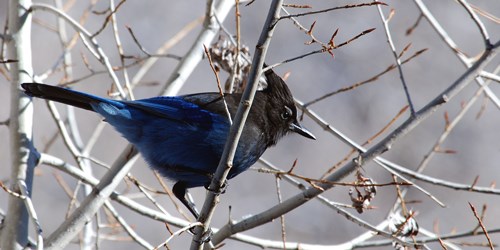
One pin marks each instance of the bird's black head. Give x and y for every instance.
(281, 108)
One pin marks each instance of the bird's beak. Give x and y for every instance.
(295, 127)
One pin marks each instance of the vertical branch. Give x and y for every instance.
(88, 231)
(396, 57)
(119, 46)
(237, 65)
(226, 160)
(15, 228)
(282, 217)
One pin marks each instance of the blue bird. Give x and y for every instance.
(183, 137)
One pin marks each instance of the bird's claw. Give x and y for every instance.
(222, 189)
(206, 237)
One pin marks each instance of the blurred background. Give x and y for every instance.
(471, 150)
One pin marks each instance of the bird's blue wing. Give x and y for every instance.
(173, 108)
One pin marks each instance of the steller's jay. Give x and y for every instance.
(183, 137)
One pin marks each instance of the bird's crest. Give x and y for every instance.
(276, 87)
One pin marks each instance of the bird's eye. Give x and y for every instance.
(287, 113)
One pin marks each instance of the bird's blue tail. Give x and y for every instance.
(66, 96)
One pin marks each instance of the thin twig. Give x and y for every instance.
(178, 232)
(282, 217)
(328, 49)
(128, 229)
(369, 141)
(32, 214)
(358, 84)
(312, 181)
(349, 6)
(396, 57)
(168, 191)
(146, 194)
(490, 76)
(114, 25)
(485, 14)
(219, 87)
(477, 21)
(108, 18)
(136, 40)
(482, 225)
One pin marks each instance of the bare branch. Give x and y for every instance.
(349, 6)
(396, 57)
(225, 163)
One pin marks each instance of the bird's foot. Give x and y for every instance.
(206, 237)
(222, 189)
